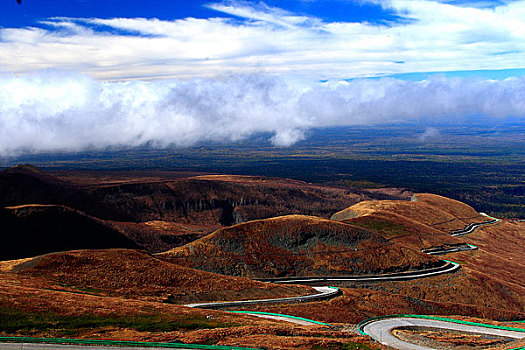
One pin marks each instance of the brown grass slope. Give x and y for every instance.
(491, 282)
(296, 245)
(402, 230)
(137, 275)
(429, 209)
(30, 230)
(30, 309)
(127, 294)
(500, 246)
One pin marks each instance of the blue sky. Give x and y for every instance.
(78, 75)
(321, 39)
(31, 11)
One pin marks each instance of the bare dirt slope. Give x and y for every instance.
(296, 245)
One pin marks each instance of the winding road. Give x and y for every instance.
(471, 227)
(324, 293)
(381, 330)
(330, 292)
(445, 249)
(446, 267)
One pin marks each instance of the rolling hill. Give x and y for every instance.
(296, 245)
(158, 213)
(134, 274)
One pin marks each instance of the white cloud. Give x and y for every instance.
(57, 111)
(439, 37)
(430, 134)
(236, 78)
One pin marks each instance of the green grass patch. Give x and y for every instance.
(386, 229)
(16, 322)
(346, 346)
(81, 290)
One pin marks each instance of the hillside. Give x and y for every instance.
(136, 275)
(226, 200)
(296, 245)
(131, 294)
(29, 230)
(428, 222)
(200, 200)
(491, 282)
(438, 212)
(25, 184)
(160, 210)
(124, 294)
(159, 236)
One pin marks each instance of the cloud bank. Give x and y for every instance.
(55, 111)
(248, 37)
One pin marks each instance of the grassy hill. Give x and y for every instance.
(136, 275)
(158, 212)
(296, 245)
(439, 212)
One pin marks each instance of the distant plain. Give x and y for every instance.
(480, 164)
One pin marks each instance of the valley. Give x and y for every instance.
(122, 257)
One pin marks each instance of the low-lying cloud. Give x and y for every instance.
(58, 111)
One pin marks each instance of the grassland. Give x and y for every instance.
(14, 321)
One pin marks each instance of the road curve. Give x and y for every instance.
(471, 227)
(324, 293)
(330, 292)
(445, 249)
(381, 330)
(447, 267)
(287, 318)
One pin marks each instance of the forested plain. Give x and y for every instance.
(482, 165)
